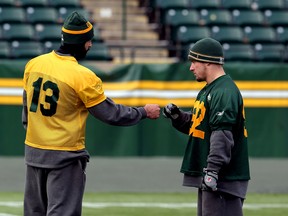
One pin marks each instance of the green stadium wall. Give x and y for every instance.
(264, 87)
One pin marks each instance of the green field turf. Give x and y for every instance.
(153, 204)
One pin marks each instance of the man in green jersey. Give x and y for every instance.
(58, 95)
(216, 156)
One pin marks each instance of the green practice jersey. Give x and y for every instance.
(218, 106)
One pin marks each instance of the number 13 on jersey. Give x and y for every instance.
(51, 92)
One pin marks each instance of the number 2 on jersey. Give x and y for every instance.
(197, 117)
(50, 99)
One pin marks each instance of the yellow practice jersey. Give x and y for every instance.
(59, 91)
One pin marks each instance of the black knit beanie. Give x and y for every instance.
(207, 50)
(76, 29)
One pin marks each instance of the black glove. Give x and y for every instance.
(171, 111)
(210, 180)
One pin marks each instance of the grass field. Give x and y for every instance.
(153, 204)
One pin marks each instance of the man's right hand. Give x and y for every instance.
(152, 110)
(171, 111)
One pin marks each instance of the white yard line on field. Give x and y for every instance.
(11, 204)
(4, 214)
(139, 205)
(173, 205)
(149, 205)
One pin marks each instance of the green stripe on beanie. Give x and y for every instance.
(207, 50)
(76, 29)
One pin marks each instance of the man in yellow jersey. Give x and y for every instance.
(58, 95)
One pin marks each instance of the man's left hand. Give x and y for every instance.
(210, 180)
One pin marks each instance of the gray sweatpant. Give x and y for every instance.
(55, 192)
(218, 204)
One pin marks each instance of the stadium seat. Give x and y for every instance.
(259, 34)
(282, 34)
(12, 15)
(25, 49)
(269, 52)
(4, 50)
(190, 34)
(63, 12)
(48, 46)
(161, 7)
(230, 34)
(268, 4)
(7, 3)
(17, 32)
(41, 15)
(276, 17)
(247, 17)
(65, 3)
(207, 4)
(33, 3)
(238, 52)
(176, 17)
(48, 32)
(175, 4)
(215, 17)
(236, 4)
(179, 17)
(99, 51)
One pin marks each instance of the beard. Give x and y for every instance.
(76, 50)
(199, 79)
(81, 53)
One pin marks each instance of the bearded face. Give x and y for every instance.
(79, 51)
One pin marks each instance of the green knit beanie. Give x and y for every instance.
(207, 50)
(76, 29)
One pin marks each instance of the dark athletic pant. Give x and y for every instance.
(218, 204)
(55, 192)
